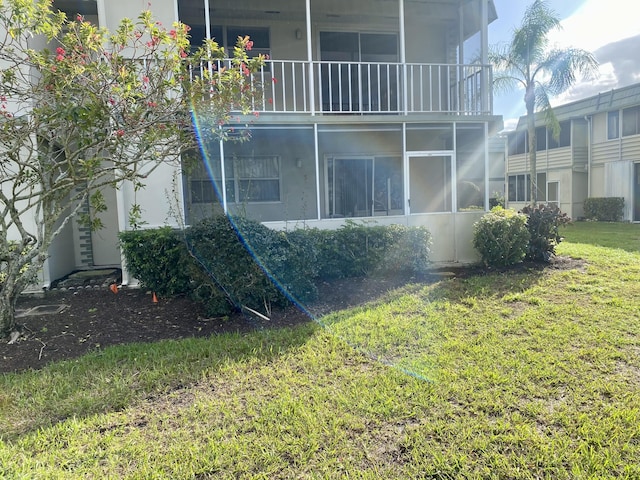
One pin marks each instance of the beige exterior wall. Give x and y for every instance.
(111, 12)
(597, 181)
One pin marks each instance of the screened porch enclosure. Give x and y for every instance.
(364, 187)
(315, 172)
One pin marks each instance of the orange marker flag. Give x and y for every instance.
(113, 287)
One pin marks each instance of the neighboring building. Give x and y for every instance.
(597, 155)
(372, 110)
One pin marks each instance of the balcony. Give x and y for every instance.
(320, 87)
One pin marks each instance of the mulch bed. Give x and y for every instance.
(68, 324)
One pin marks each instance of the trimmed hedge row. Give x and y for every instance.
(232, 264)
(609, 209)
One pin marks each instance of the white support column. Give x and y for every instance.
(454, 172)
(317, 160)
(312, 84)
(176, 13)
(460, 70)
(223, 178)
(484, 49)
(122, 211)
(486, 166)
(403, 57)
(102, 13)
(207, 20)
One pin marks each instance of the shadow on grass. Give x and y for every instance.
(115, 378)
(458, 284)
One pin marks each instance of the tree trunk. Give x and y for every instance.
(8, 300)
(531, 132)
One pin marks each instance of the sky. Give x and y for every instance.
(606, 28)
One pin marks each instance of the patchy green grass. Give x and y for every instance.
(605, 234)
(526, 374)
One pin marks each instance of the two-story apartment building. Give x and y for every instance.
(597, 154)
(376, 110)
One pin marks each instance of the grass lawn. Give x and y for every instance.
(527, 374)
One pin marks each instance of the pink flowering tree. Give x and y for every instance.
(83, 109)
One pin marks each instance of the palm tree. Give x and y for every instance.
(542, 72)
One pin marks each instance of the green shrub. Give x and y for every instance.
(157, 258)
(496, 200)
(227, 276)
(543, 223)
(357, 249)
(409, 250)
(609, 209)
(229, 264)
(501, 237)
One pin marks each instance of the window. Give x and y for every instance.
(519, 187)
(613, 125)
(518, 143)
(631, 121)
(347, 86)
(247, 179)
(552, 197)
(257, 179)
(541, 139)
(258, 35)
(564, 139)
(542, 182)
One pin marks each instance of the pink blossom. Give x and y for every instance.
(60, 51)
(119, 132)
(249, 45)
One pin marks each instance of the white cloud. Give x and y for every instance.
(608, 29)
(597, 23)
(610, 32)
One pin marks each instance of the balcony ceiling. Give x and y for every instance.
(334, 11)
(329, 11)
(74, 7)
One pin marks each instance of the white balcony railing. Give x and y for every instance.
(371, 88)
